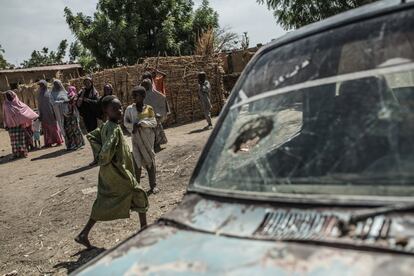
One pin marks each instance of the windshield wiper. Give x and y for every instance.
(363, 215)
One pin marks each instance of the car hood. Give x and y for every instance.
(166, 250)
(204, 236)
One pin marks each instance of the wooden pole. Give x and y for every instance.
(7, 81)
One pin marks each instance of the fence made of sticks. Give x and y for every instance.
(181, 85)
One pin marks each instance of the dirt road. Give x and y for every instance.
(46, 199)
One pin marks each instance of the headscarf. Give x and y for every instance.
(44, 104)
(71, 91)
(17, 113)
(155, 99)
(59, 94)
(91, 92)
(107, 87)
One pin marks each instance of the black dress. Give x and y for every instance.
(89, 110)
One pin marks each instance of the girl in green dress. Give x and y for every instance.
(118, 190)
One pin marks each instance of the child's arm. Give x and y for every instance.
(108, 148)
(94, 138)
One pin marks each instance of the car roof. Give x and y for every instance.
(353, 15)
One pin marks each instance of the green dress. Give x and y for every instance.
(118, 190)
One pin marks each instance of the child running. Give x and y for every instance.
(140, 122)
(118, 190)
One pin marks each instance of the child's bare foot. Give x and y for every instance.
(83, 240)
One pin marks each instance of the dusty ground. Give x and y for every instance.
(46, 198)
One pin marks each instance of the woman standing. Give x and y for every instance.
(67, 115)
(18, 118)
(59, 99)
(50, 127)
(71, 123)
(88, 105)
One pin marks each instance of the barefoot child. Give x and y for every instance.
(118, 190)
(140, 121)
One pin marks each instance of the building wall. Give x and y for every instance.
(12, 78)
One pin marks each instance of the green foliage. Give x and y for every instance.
(205, 18)
(297, 13)
(122, 31)
(44, 57)
(79, 54)
(3, 62)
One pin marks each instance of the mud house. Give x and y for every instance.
(11, 79)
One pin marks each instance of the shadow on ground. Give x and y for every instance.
(199, 130)
(51, 155)
(75, 171)
(84, 257)
(7, 159)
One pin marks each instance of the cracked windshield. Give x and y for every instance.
(330, 114)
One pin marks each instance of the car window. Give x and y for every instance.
(332, 113)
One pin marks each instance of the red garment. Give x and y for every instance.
(16, 113)
(51, 134)
(158, 84)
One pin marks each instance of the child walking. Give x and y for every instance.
(36, 133)
(118, 190)
(140, 121)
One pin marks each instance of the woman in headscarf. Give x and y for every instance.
(107, 90)
(88, 104)
(50, 127)
(18, 118)
(59, 99)
(74, 138)
(66, 114)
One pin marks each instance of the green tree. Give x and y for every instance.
(78, 53)
(44, 57)
(3, 62)
(297, 13)
(122, 31)
(205, 18)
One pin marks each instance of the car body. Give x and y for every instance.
(308, 170)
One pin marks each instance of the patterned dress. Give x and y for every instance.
(18, 141)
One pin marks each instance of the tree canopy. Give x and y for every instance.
(297, 13)
(44, 57)
(3, 62)
(122, 31)
(79, 54)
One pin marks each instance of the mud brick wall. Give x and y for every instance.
(181, 85)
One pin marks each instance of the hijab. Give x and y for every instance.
(17, 113)
(71, 91)
(44, 104)
(58, 92)
(108, 87)
(90, 93)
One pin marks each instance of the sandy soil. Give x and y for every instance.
(46, 198)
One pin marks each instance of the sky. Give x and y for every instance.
(31, 25)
